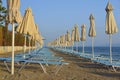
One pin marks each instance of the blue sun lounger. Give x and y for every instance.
(41, 63)
(8, 59)
(34, 61)
(106, 61)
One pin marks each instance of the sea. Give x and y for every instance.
(102, 51)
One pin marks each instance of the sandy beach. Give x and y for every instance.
(37, 35)
(78, 69)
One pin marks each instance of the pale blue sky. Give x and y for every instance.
(55, 17)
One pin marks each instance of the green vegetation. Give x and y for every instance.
(3, 12)
(5, 34)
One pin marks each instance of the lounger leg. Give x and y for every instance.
(113, 68)
(22, 67)
(47, 65)
(43, 68)
(7, 66)
(46, 61)
(57, 70)
(18, 63)
(56, 66)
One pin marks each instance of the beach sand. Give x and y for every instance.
(78, 69)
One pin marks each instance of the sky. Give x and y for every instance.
(55, 17)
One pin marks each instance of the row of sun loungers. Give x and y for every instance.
(41, 57)
(99, 59)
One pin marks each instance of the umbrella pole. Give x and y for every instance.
(110, 40)
(76, 46)
(12, 67)
(25, 44)
(73, 47)
(83, 46)
(93, 47)
(65, 48)
(29, 45)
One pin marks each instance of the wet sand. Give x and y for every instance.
(78, 69)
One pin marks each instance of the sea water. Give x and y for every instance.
(102, 51)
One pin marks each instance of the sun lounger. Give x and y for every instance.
(106, 61)
(35, 61)
(44, 62)
(35, 58)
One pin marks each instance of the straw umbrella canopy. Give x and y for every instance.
(40, 40)
(111, 26)
(77, 35)
(83, 35)
(13, 16)
(68, 38)
(33, 36)
(13, 7)
(92, 32)
(27, 24)
(37, 36)
(63, 40)
(58, 40)
(73, 34)
(72, 37)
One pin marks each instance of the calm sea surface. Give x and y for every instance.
(103, 51)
